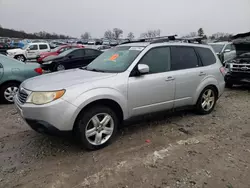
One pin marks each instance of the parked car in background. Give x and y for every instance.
(12, 74)
(56, 51)
(238, 69)
(29, 51)
(113, 43)
(126, 81)
(224, 50)
(73, 58)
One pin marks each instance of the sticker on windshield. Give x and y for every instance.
(114, 57)
(136, 48)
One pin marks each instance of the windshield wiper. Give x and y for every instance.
(94, 70)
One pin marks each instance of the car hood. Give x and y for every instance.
(63, 79)
(17, 50)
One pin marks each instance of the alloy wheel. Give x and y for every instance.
(20, 58)
(60, 67)
(208, 100)
(9, 93)
(99, 129)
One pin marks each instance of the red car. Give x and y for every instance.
(56, 51)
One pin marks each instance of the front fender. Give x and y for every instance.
(101, 93)
(206, 82)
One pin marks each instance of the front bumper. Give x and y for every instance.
(237, 78)
(52, 117)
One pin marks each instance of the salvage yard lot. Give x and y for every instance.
(178, 149)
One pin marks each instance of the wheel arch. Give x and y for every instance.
(105, 102)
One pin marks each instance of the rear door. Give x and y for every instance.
(43, 48)
(90, 55)
(187, 72)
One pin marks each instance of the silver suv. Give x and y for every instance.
(126, 81)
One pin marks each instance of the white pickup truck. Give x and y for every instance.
(29, 51)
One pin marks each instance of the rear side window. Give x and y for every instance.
(206, 55)
(43, 46)
(183, 58)
(158, 60)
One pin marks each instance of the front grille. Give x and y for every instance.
(22, 96)
(243, 68)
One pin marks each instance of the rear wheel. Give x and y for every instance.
(8, 91)
(207, 100)
(96, 127)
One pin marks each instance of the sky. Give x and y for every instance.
(74, 17)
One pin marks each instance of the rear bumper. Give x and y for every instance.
(237, 78)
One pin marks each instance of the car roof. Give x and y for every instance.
(222, 43)
(174, 43)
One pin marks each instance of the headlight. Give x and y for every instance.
(44, 97)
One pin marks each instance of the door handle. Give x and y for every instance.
(170, 78)
(202, 74)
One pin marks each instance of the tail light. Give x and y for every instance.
(223, 71)
(39, 70)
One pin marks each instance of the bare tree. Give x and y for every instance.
(221, 36)
(117, 33)
(86, 35)
(151, 34)
(130, 36)
(108, 35)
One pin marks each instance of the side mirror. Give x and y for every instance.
(70, 56)
(227, 50)
(28, 49)
(143, 69)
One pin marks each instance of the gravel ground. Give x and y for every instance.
(167, 150)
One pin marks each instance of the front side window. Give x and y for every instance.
(33, 47)
(183, 58)
(43, 47)
(158, 59)
(117, 59)
(228, 47)
(77, 53)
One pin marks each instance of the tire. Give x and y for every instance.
(8, 91)
(206, 103)
(99, 135)
(229, 85)
(20, 58)
(59, 67)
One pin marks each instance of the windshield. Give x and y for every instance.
(217, 47)
(245, 54)
(115, 60)
(66, 52)
(25, 46)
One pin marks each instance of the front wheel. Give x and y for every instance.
(96, 127)
(60, 67)
(207, 100)
(20, 58)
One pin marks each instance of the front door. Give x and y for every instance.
(90, 55)
(1, 71)
(153, 91)
(74, 59)
(188, 74)
(32, 52)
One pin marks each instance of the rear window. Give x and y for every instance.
(206, 55)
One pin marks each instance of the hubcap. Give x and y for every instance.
(9, 93)
(20, 58)
(99, 129)
(208, 99)
(60, 67)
